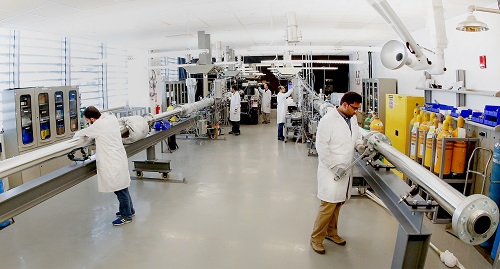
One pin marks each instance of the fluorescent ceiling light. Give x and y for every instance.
(177, 53)
(313, 49)
(308, 68)
(321, 68)
(312, 61)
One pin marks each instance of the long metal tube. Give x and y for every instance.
(27, 160)
(185, 109)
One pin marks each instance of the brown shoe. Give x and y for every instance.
(336, 239)
(318, 248)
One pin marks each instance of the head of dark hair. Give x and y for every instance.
(233, 87)
(351, 98)
(91, 112)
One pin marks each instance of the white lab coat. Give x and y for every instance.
(282, 105)
(111, 158)
(235, 107)
(266, 100)
(335, 145)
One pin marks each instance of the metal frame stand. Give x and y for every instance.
(413, 238)
(151, 164)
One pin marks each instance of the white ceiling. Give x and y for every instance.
(173, 25)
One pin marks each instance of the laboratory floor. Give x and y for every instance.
(249, 202)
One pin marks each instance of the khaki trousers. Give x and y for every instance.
(326, 221)
(266, 116)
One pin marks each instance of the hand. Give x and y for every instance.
(360, 148)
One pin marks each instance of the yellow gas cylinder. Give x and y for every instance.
(376, 124)
(413, 141)
(431, 118)
(429, 145)
(459, 148)
(439, 149)
(424, 127)
(416, 111)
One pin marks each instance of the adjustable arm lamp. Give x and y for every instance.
(471, 24)
(395, 55)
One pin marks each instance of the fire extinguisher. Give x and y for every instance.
(157, 109)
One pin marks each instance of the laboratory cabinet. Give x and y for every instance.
(374, 92)
(37, 117)
(400, 108)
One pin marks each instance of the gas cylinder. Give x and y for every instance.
(431, 118)
(429, 145)
(448, 151)
(459, 148)
(424, 127)
(376, 124)
(413, 141)
(416, 111)
(366, 123)
(494, 191)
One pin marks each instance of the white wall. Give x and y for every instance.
(463, 52)
(138, 79)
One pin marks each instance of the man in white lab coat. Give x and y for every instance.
(235, 110)
(266, 104)
(336, 138)
(111, 160)
(282, 109)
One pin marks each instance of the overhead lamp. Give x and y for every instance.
(471, 24)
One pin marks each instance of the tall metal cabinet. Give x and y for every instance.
(374, 91)
(37, 117)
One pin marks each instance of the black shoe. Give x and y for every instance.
(264, 122)
(237, 133)
(231, 132)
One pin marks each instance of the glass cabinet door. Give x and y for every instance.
(59, 108)
(73, 111)
(44, 114)
(26, 119)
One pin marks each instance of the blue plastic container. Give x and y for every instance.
(494, 194)
(478, 117)
(464, 113)
(491, 115)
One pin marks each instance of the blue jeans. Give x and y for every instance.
(126, 207)
(280, 130)
(236, 127)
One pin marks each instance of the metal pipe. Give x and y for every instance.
(27, 160)
(475, 218)
(184, 109)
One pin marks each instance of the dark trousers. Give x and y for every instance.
(236, 127)
(280, 130)
(126, 207)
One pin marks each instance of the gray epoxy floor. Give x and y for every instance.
(250, 202)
